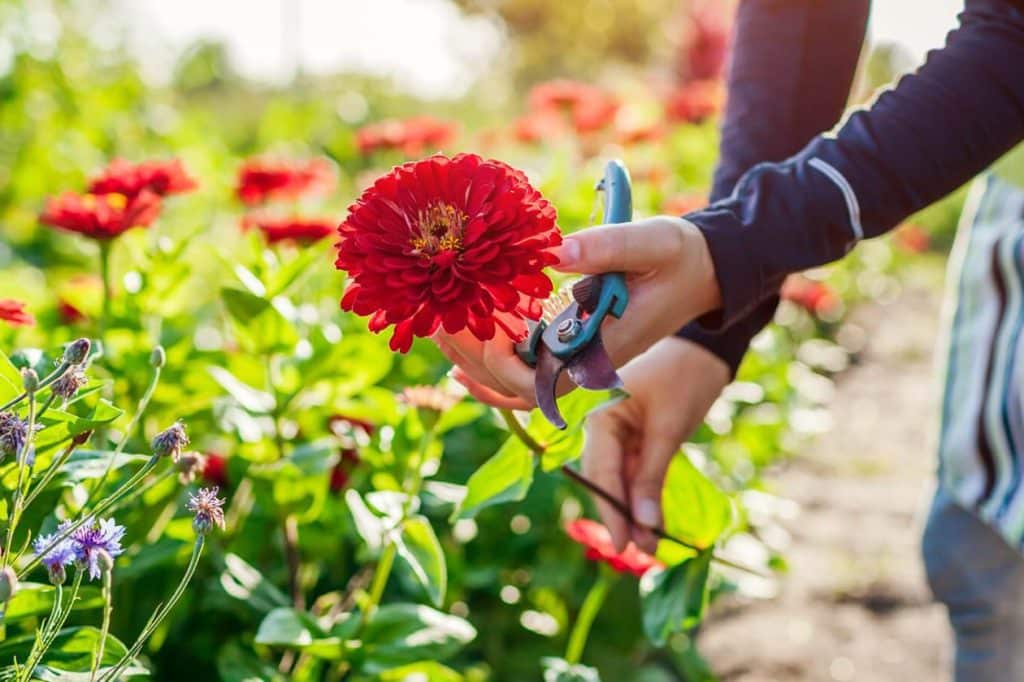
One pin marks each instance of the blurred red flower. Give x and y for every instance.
(695, 101)
(293, 229)
(813, 296)
(538, 126)
(101, 216)
(681, 204)
(598, 543)
(68, 313)
(590, 108)
(161, 177)
(260, 180)
(459, 242)
(639, 133)
(411, 136)
(350, 431)
(215, 471)
(912, 238)
(708, 48)
(13, 313)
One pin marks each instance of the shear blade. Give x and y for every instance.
(549, 368)
(593, 369)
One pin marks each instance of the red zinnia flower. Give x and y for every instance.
(696, 101)
(815, 297)
(538, 126)
(459, 242)
(101, 216)
(590, 108)
(351, 432)
(295, 229)
(708, 47)
(13, 313)
(598, 543)
(158, 176)
(68, 313)
(412, 136)
(262, 179)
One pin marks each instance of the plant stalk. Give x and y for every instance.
(588, 612)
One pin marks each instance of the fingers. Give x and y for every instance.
(467, 352)
(487, 395)
(645, 489)
(603, 456)
(638, 247)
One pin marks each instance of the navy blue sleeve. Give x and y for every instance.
(792, 66)
(931, 133)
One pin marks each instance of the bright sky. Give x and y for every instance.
(426, 45)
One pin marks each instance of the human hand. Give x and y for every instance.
(671, 280)
(629, 445)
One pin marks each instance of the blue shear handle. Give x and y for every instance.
(618, 203)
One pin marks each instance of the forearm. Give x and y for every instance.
(918, 142)
(789, 80)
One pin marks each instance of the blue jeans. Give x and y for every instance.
(980, 579)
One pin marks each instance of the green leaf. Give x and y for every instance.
(252, 399)
(292, 629)
(238, 664)
(84, 465)
(694, 509)
(242, 581)
(72, 650)
(674, 598)
(400, 634)
(10, 379)
(369, 526)
(505, 477)
(561, 670)
(418, 545)
(291, 271)
(36, 599)
(422, 671)
(242, 305)
(461, 414)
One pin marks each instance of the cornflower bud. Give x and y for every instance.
(77, 351)
(169, 443)
(30, 380)
(67, 386)
(57, 573)
(104, 560)
(8, 584)
(158, 358)
(208, 509)
(190, 465)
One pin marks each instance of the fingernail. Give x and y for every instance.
(568, 253)
(645, 511)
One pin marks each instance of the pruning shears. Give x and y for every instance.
(570, 339)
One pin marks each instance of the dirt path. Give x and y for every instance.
(855, 605)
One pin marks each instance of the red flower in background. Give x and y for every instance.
(708, 47)
(912, 238)
(598, 543)
(13, 313)
(590, 108)
(161, 177)
(294, 229)
(215, 471)
(260, 180)
(815, 297)
(411, 136)
(537, 126)
(639, 133)
(68, 313)
(101, 216)
(455, 242)
(695, 101)
(351, 432)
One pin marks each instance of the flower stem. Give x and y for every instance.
(290, 529)
(16, 504)
(50, 378)
(107, 289)
(158, 615)
(51, 471)
(108, 609)
(618, 505)
(106, 504)
(51, 628)
(140, 409)
(380, 577)
(588, 612)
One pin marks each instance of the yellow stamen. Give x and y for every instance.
(438, 228)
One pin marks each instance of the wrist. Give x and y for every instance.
(705, 295)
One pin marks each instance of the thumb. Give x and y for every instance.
(645, 492)
(639, 247)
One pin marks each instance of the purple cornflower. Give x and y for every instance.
(208, 510)
(90, 540)
(59, 556)
(13, 433)
(170, 442)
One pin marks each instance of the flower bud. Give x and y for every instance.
(8, 584)
(170, 442)
(104, 560)
(67, 386)
(30, 379)
(158, 358)
(77, 351)
(57, 574)
(190, 465)
(13, 433)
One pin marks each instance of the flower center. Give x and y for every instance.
(438, 228)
